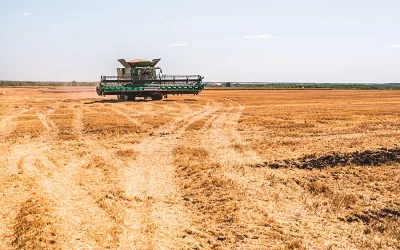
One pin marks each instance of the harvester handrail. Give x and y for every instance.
(116, 77)
(180, 76)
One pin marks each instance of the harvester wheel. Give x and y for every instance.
(131, 97)
(121, 98)
(156, 97)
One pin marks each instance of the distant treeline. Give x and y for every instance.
(383, 86)
(32, 83)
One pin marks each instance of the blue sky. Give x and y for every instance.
(253, 40)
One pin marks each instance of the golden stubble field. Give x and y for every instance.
(295, 169)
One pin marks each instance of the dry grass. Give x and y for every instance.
(197, 125)
(34, 227)
(27, 126)
(100, 179)
(325, 121)
(107, 122)
(64, 120)
(242, 169)
(214, 199)
(127, 153)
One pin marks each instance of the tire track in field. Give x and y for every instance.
(99, 177)
(124, 114)
(214, 200)
(34, 228)
(166, 107)
(34, 225)
(26, 216)
(13, 192)
(80, 222)
(83, 224)
(245, 224)
(128, 202)
(78, 121)
(265, 221)
(82, 206)
(95, 176)
(225, 146)
(51, 129)
(209, 122)
(101, 181)
(224, 141)
(8, 124)
(150, 180)
(96, 221)
(54, 179)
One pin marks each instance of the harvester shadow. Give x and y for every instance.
(113, 101)
(102, 101)
(184, 100)
(140, 100)
(189, 100)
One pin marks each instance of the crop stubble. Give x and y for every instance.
(250, 169)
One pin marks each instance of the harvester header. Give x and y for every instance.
(141, 78)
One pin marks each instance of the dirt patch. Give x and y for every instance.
(364, 158)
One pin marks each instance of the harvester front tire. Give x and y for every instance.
(131, 97)
(157, 97)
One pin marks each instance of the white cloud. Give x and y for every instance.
(26, 14)
(178, 45)
(396, 46)
(261, 36)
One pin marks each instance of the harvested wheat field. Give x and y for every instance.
(295, 169)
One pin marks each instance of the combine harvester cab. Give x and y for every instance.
(141, 78)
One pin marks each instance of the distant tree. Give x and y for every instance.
(228, 84)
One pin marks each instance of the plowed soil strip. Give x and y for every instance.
(364, 158)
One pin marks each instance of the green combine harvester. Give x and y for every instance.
(141, 78)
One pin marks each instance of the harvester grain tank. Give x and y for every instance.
(142, 78)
